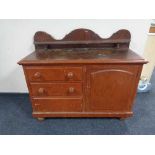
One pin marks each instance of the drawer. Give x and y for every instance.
(56, 89)
(57, 105)
(54, 73)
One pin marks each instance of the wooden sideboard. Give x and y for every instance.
(82, 75)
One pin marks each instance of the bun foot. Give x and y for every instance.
(40, 118)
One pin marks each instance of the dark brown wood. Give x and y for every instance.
(82, 75)
(118, 114)
(57, 104)
(56, 89)
(80, 38)
(82, 56)
(112, 80)
(54, 73)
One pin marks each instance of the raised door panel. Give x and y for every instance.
(111, 88)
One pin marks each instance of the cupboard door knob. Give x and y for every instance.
(37, 75)
(70, 75)
(41, 90)
(71, 90)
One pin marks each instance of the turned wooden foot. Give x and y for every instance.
(40, 118)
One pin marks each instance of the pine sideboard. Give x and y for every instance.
(82, 75)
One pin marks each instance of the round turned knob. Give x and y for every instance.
(37, 75)
(70, 75)
(71, 90)
(41, 90)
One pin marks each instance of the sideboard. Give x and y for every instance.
(82, 75)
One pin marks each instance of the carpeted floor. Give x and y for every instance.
(15, 119)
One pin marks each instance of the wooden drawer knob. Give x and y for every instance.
(37, 75)
(41, 90)
(70, 75)
(71, 90)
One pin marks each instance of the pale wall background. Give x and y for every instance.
(16, 41)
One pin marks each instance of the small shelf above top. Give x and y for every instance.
(82, 38)
(85, 42)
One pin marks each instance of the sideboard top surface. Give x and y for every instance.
(82, 56)
(82, 46)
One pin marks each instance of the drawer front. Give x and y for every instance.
(56, 89)
(54, 73)
(57, 105)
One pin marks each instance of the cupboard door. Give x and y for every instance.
(111, 88)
